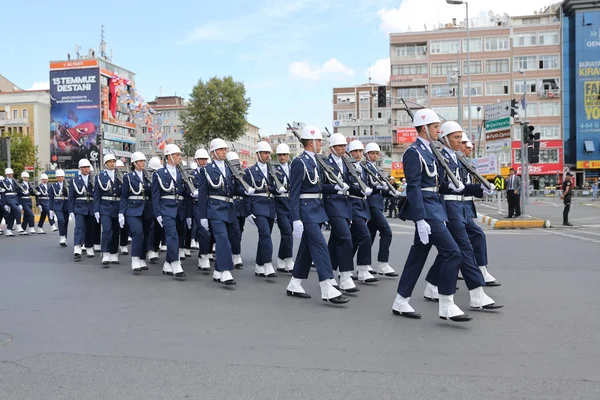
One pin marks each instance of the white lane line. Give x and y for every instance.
(567, 235)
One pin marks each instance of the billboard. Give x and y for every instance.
(406, 135)
(74, 116)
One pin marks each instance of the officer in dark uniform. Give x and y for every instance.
(81, 210)
(124, 235)
(59, 205)
(285, 262)
(567, 193)
(42, 199)
(242, 211)
(26, 191)
(107, 195)
(202, 236)
(156, 232)
(12, 202)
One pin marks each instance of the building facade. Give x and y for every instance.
(289, 139)
(167, 110)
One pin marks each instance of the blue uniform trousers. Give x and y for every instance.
(13, 216)
(379, 223)
(84, 234)
(110, 234)
(470, 271)
(63, 222)
(28, 218)
(124, 234)
(236, 236)
(158, 236)
(479, 242)
(286, 242)
(449, 252)
(139, 226)
(340, 245)
(264, 250)
(313, 247)
(361, 238)
(203, 239)
(44, 213)
(172, 227)
(223, 232)
(97, 232)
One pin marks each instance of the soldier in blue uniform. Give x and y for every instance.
(424, 207)
(262, 209)
(42, 199)
(135, 206)
(216, 189)
(171, 204)
(378, 221)
(2, 202)
(242, 211)
(12, 202)
(107, 195)
(59, 205)
(458, 216)
(202, 236)
(124, 235)
(25, 191)
(307, 213)
(81, 210)
(285, 262)
(156, 232)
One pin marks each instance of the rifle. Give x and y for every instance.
(187, 179)
(330, 173)
(273, 172)
(379, 177)
(436, 151)
(351, 167)
(236, 169)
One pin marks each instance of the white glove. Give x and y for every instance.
(20, 208)
(368, 191)
(381, 187)
(40, 207)
(159, 220)
(489, 192)
(424, 231)
(97, 215)
(281, 190)
(458, 189)
(204, 223)
(188, 221)
(250, 191)
(251, 218)
(72, 217)
(121, 220)
(51, 214)
(342, 189)
(298, 229)
(396, 194)
(7, 208)
(195, 194)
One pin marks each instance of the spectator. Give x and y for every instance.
(513, 194)
(567, 189)
(595, 190)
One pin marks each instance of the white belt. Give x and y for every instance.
(87, 198)
(222, 198)
(43, 198)
(10, 194)
(59, 198)
(357, 197)
(429, 189)
(282, 195)
(469, 198)
(454, 197)
(26, 197)
(311, 196)
(172, 197)
(137, 198)
(261, 195)
(107, 198)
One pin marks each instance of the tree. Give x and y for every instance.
(217, 108)
(22, 153)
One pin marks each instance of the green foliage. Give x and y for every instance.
(216, 109)
(23, 153)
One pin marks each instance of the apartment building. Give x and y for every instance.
(510, 58)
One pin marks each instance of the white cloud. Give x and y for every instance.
(304, 70)
(40, 86)
(380, 71)
(415, 15)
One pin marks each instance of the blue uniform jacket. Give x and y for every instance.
(136, 198)
(42, 195)
(81, 196)
(259, 205)
(282, 202)
(421, 171)
(375, 200)
(360, 204)
(59, 200)
(25, 193)
(338, 205)
(306, 178)
(104, 190)
(170, 196)
(223, 188)
(9, 192)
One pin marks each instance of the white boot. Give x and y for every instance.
(486, 275)
(216, 276)
(289, 265)
(294, 288)
(449, 310)
(129, 240)
(203, 262)
(481, 301)
(63, 241)
(281, 265)
(124, 250)
(163, 248)
(135, 264)
(187, 252)
(194, 245)
(384, 269)
(270, 271)
(9, 233)
(177, 269)
(143, 265)
(114, 258)
(90, 253)
(347, 284)
(334, 283)
(54, 227)
(97, 247)
(77, 252)
(40, 231)
(152, 256)
(259, 270)
(21, 231)
(364, 275)
(167, 269)
(331, 294)
(403, 308)
(106, 258)
(181, 254)
(31, 230)
(431, 292)
(237, 259)
(227, 278)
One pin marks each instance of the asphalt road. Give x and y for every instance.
(77, 331)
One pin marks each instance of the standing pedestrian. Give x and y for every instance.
(595, 190)
(513, 194)
(567, 192)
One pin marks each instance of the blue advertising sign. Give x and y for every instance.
(74, 116)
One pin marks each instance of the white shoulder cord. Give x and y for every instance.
(83, 188)
(211, 183)
(141, 186)
(108, 184)
(429, 173)
(313, 181)
(263, 182)
(162, 186)
(54, 191)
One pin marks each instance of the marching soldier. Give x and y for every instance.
(285, 262)
(338, 207)
(97, 225)
(424, 207)
(42, 199)
(59, 205)
(308, 214)
(107, 195)
(169, 202)
(12, 203)
(458, 215)
(25, 192)
(242, 210)
(202, 236)
(81, 210)
(156, 233)
(2, 202)
(135, 206)
(124, 236)
(378, 222)
(262, 209)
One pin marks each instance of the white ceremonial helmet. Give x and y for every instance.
(84, 162)
(24, 174)
(43, 176)
(59, 173)
(154, 163)
(232, 155)
(201, 153)
(355, 145)
(263, 146)
(337, 139)
(137, 156)
(464, 138)
(311, 132)
(8, 171)
(372, 147)
(109, 157)
(469, 144)
(283, 149)
(450, 127)
(217, 144)
(171, 149)
(425, 116)
(119, 164)
(193, 165)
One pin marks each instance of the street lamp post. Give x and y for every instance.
(524, 158)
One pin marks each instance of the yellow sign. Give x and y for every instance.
(398, 173)
(592, 100)
(592, 164)
(499, 182)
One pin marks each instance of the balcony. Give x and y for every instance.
(549, 94)
(409, 58)
(14, 122)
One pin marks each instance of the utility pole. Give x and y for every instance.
(8, 152)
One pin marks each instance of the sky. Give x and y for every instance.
(289, 53)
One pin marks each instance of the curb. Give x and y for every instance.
(513, 224)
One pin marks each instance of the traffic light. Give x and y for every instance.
(533, 151)
(513, 107)
(381, 96)
(527, 135)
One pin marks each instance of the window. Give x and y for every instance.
(475, 45)
(475, 67)
(549, 156)
(410, 50)
(526, 39)
(444, 46)
(550, 109)
(409, 69)
(442, 69)
(497, 66)
(346, 98)
(496, 43)
(532, 110)
(548, 62)
(476, 89)
(2, 114)
(497, 88)
(474, 115)
(548, 38)
(448, 113)
(503, 157)
(366, 113)
(364, 98)
(549, 132)
(524, 63)
(15, 114)
(531, 21)
(588, 146)
(439, 91)
(25, 113)
(522, 86)
(344, 115)
(412, 93)
(166, 128)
